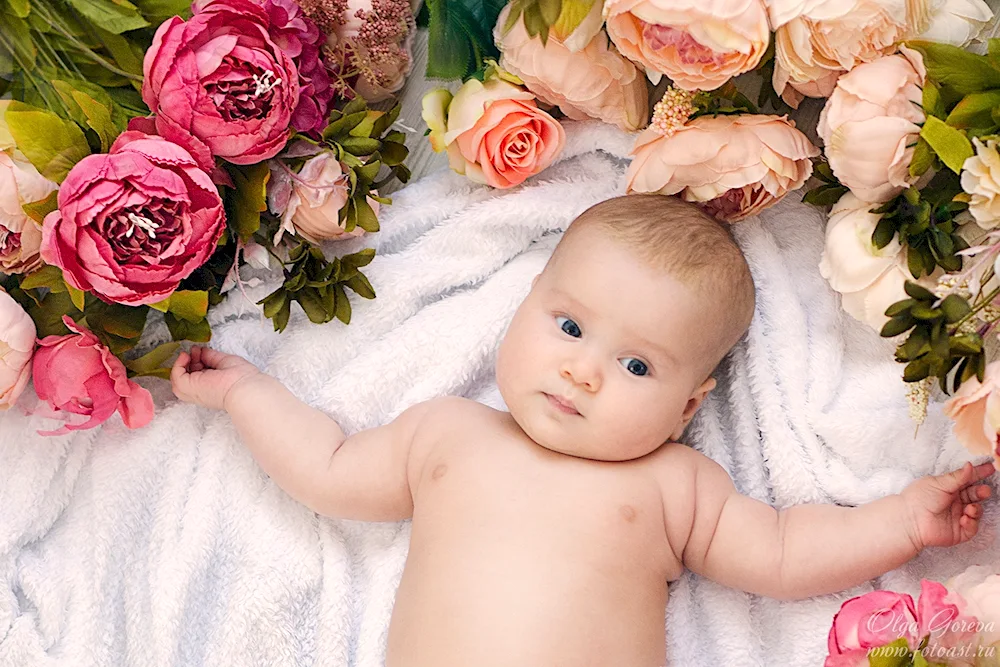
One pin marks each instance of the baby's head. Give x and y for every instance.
(611, 353)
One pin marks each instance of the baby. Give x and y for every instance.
(547, 535)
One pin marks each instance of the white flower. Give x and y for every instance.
(981, 180)
(956, 22)
(869, 279)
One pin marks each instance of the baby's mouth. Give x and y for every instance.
(562, 404)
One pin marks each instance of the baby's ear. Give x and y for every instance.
(693, 403)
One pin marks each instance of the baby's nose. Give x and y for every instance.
(582, 371)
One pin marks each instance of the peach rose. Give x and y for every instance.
(17, 344)
(870, 125)
(699, 44)
(869, 279)
(817, 40)
(493, 131)
(975, 409)
(733, 166)
(318, 193)
(595, 82)
(20, 236)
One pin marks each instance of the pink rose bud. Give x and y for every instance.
(77, 375)
(135, 222)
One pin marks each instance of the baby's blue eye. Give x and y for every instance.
(634, 366)
(569, 327)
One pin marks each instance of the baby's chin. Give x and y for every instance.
(561, 440)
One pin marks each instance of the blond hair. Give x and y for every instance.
(681, 239)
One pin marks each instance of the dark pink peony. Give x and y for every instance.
(133, 223)
(75, 374)
(300, 38)
(219, 85)
(867, 622)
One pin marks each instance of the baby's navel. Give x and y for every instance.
(439, 471)
(628, 513)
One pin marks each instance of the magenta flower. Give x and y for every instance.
(219, 85)
(77, 375)
(133, 223)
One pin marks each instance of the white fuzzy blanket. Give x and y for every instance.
(168, 546)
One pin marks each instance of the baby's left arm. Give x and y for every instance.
(809, 550)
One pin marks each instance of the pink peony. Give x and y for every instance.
(133, 223)
(17, 342)
(732, 166)
(875, 106)
(20, 236)
(219, 85)
(870, 621)
(944, 618)
(318, 192)
(77, 375)
(699, 44)
(975, 409)
(299, 37)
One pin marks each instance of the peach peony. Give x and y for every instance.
(20, 236)
(975, 408)
(817, 40)
(493, 131)
(955, 22)
(699, 44)
(17, 343)
(319, 191)
(595, 82)
(734, 166)
(870, 125)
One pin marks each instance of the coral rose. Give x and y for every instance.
(956, 22)
(75, 374)
(870, 621)
(593, 82)
(816, 41)
(493, 131)
(732, 166)
(318, 193)
(20, 237)
(17, 342)
(869, 279)
(219, 85)
(870, 125)
(981, 180)
(699, 44)
(133, 223)
(975, 409)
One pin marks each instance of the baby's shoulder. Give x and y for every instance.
(446, 417)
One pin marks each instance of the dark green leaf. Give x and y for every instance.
(312, 303)
(385, 121)
(281, 317)
(248, 200)
(884, 232)
(923, 158)
(367, 219)
(900, 307)
(916, 370)
(825, 195)
(274, 302)
(954, 308)
(975, 110)
(368, 172)
(919, 292)
(153, 360)
(198, 332)
(47, 276)
(393, 153)
(931, 102)
(896, 326)
(358, 259)
(360, 146)
(359, 283)
(967, 345)
(342, 305)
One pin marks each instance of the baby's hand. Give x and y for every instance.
(205, 376)
(944, 510)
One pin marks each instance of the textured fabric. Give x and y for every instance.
(168, 546)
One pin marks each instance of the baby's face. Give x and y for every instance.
(601, 360)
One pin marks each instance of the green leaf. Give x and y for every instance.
(900, 307)
(916, 370)
(393, 153)
(897, 325)
(884, 232)
(918, 292)
(281, 318)
(47, 315)
(825, 195)
(460, 36)
(954, 308)
(368, 172)
(163, 9)
(550, 10)
(21, 8)
(115, 16)
(248, 200)
(123, 322)
(153, 360)
(967, 345)
(975, 110)
(37, 210)
(360, 284)
(78, 297)
(198, 332)
(18, 40)
(126, 54)
(358, 259)
(964, 71)
(47, 276)
(367, 220)
(52, 144)
(950, 144)
(572, 15)
(931, 100)
(385, 121)
(274, 302)
(312, 303)
(189, 305)
(360, 145)
(923, 158)
(342, 307)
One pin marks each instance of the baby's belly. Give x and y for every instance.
(514, 603)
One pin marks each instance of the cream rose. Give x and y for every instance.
(493, 131)
(869, 279)
(979, 588)
(975, 409)
(817, 40)
(699, 44)
(733, 166)
(20, 236)
(17, 343)
(956, 22)
(871, 123)
(593, 82)
(981, 180)
(318, 193)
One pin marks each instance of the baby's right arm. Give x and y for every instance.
(365, 476)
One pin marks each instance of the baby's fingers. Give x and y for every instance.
(975, 494)
(956, 480)
(969, 525)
